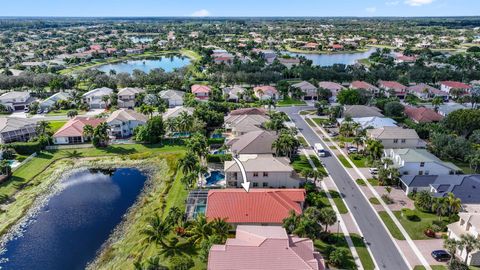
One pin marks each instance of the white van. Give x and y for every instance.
(320, 150)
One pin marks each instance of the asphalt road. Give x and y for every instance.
(384, 250)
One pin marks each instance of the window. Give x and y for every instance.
(404, 141)
(265, 174)
(255, 174)
(420, 172)
(395, 140)
(265, 184)
(422, 164)
(255, 184)
(427, 172)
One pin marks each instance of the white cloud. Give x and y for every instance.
(392, 3)
(417, 3)
(201, 13)
(371, 9)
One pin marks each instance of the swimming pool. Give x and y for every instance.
(217, 136)
(214, 177)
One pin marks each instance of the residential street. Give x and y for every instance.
(384, 250)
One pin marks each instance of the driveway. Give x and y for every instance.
(383, 248)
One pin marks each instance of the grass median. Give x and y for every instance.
(388, 221)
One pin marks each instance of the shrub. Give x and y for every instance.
(356, 156)
(181, 263)
(338, 257)
(26, 148)
(410, 214)
(218, 158)
(9, 153)
(387, 199)
(216, 141)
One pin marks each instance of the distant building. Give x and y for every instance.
(309, 90)
(425, 91)
(265, 247)
(50, 102)
(422, 114)
(371, 122)
(333, 87)
(448, 86)
(173, 98)
(358, 111)
(361, 85)
(396, 137)
(266, 92)
(127, 97)
(233, 93)
(201, 92)
(94, 98)
(15, 101)
(398, 89)
(241, 124)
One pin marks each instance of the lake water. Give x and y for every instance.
(331, 59)
(141, 39)
(166, 63)
(70, 229)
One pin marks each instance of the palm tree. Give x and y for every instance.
(328, 217)
(147, 110)
(290, 222)
(316, 174)
(5, 167)
(469, 243)
(174, 247)
(42, 127)
(88, 131)
(184, 122)
(451, 246)
(436, 102)
(174, 216)
(220, 228)
(106, 100)
(454, 204)
(286, 144)
(374, 149)
(188, 163)
(440, 207)
(358, 141)
(72, 113)
(198, 145)
(156, 230)
(307, 172)
(199, 230)
(100, 134)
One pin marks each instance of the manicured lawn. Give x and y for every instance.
(360, 163)
(320, 121)
(290, 102)
(416, 228)
(374, 181)
(343, 139)
(362, 251)
(435, 267)
(56, 125)
(301, 163)
(360, 182)
(307, 112)
(177, 194)
(337, 198)
(344, 161)
(391, 225)
(310, 122)
(63, 112)
(302, 141)
(335, 241)
(317, 163)
(374, 200)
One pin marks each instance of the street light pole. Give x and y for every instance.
(338, 230)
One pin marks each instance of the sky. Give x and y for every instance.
(238, 8)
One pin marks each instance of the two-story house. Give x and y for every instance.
(396, 137)
(266, 92)
(469, 223)
(309, 90)
(263, 171)
(419, 162)
(16, 100)
(173, 98)
(201, 92)
(95, 97)
(127, 97)
(122, 123)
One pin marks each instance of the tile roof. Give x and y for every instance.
(362, 85)
(398, 87)
(458, 85)
(261, 162)
(392, 133)
(249, 111)
(420, 88)
(127, 115)
(422, 114)
(257, 206)
(264, 247)
(265, 89)
(15, 123)
(15, 94)
(330, 86)
(357, 111)
(74, 127)
(305, 86)
(130, 91)
(197, 88)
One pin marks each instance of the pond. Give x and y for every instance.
(141, 39)
(336, 58)
(72, 226)
(168, 63)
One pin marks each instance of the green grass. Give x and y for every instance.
(387, 220)
(177, 194)
(335, 241)
(434, 267)
(360, 182)
(318, 164)
(343, 139)
(464, 166)
(344, 161)
(286, 102)
(56, 125)
(374, 200)
(360, 163)
(363, 254)
(338, 199)
(310, 122)
(307, 112)
(63, 112)
(320, 121)
(374, 181)
(302, 141)
(301, 163)
(415, 229)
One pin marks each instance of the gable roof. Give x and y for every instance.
(197, 88)
(15, 123)
(332, 86)
(420, 88)
(74, 127)
(249, 111)
(398, 87)
(453, 84)
(127, 115)
(15, 94)
(255, 206)
(246, 123)
(266, 247)
(98, 92)
(255, 142)
(130, 91)
(422, 114)
(419, 155)
(261, 162)
(176, 111)
(362, 85)
(356, 111)
(304, 86)
(392, 133)
(172, 94)
(266, 89)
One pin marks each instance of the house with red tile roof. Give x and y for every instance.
(264, 247)
(337, 47)
(333, 87)
(388, 86)
(249, 111)
(448, 86)
(311, 46)
(266, 92)
(425, 91)
(364, 86)
(72, 131)
(201, 92)
(422, 114)
(256, 207)
(405, 59)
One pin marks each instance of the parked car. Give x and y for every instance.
(352, 149)
(441, 255)
(332, 134)
(373, 171)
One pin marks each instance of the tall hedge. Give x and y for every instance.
(26, 148)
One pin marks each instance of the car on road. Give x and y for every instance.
(441, 255)
(373, 171)
(318, 147)
(352, 149)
